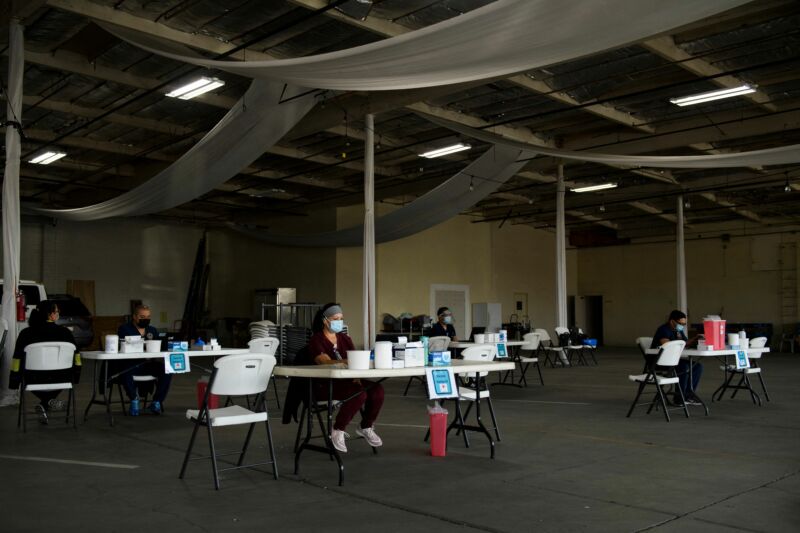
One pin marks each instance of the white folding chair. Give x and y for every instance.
(435, 344)
(570, 349)
(788, 340)
(234, 375)
(547, 348)
(532, 343)
(269, 346)
(47, 356)
(469, 393)
(592, 350)
(667, 361)
(744, 382)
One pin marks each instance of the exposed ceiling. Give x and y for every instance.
(102, 102)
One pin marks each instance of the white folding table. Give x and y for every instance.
(337, 371)
(104, 357)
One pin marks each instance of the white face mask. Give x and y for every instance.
(337, 326)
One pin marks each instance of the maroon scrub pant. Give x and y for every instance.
(363, 394)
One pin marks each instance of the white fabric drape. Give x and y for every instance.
(782, 155)
(369, 233)
(265, 113)
(11, 219)
(499, 39)
(466, 188)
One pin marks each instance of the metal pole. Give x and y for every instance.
(369, 232)
(561, 251)
(681, 259)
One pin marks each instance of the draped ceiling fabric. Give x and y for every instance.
(499, 39)
(771, 156)
(259, 119)
(470, 185)
(11, 219)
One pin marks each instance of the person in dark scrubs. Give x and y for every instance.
(444, 325)
(140, 325)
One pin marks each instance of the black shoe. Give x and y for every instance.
(676, 401)
(693, 401)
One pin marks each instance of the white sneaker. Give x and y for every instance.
(42, 412)
(337, 439)
(370, 436)
(56, 405)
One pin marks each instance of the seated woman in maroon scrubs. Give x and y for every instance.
(329, 345)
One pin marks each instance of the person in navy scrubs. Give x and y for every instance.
(444, 325)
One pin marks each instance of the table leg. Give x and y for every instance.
(478, 413)
(691, 387)
(94, 391)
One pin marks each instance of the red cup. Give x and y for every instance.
(438, 434)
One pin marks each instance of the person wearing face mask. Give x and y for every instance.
(674, 330)
(329, 345)
(42, 327)
(140, 325)
(444, 325)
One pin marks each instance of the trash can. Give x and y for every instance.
(438, 420)
(213, 399)
(714, 332)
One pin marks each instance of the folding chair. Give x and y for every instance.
(435, 344)
(569, 348)
(469, 393)
(546, 348)
(667, 361)
(41, 357)
(234, 375)
(744, 382)
(592, 350)
(269, 346)
(531, 341)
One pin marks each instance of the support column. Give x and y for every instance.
(561, 252)
(681, 259)
(369, 233)
(11, 218)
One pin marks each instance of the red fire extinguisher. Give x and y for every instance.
(20, 306)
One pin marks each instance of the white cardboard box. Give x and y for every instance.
(412, 357)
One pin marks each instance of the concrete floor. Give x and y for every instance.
(569, 460)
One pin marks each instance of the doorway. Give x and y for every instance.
(594, 317)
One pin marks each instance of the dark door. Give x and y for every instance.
(594, 317)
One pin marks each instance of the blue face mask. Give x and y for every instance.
(448, 320)
(680, 327)
(337, 326)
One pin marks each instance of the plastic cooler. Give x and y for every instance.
(213, 399)
(714, 331)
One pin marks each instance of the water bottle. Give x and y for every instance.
(424, 341)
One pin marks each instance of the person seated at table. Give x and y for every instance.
(140, 325)
(42, 327)
(673, 330)
(329, 345)
(444, 325)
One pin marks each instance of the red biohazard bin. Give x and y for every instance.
(438, 432)
(714, 331)
(213, 399)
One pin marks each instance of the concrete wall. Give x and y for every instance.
(739, 279)
(494, 262)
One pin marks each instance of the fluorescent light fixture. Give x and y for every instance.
(460, 147)
(713, 95)
(590, 188)
(196, 88)
(47, 158)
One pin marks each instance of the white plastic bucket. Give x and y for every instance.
(112, 344)
(152, 346)
(358, 359)
(383, 354)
